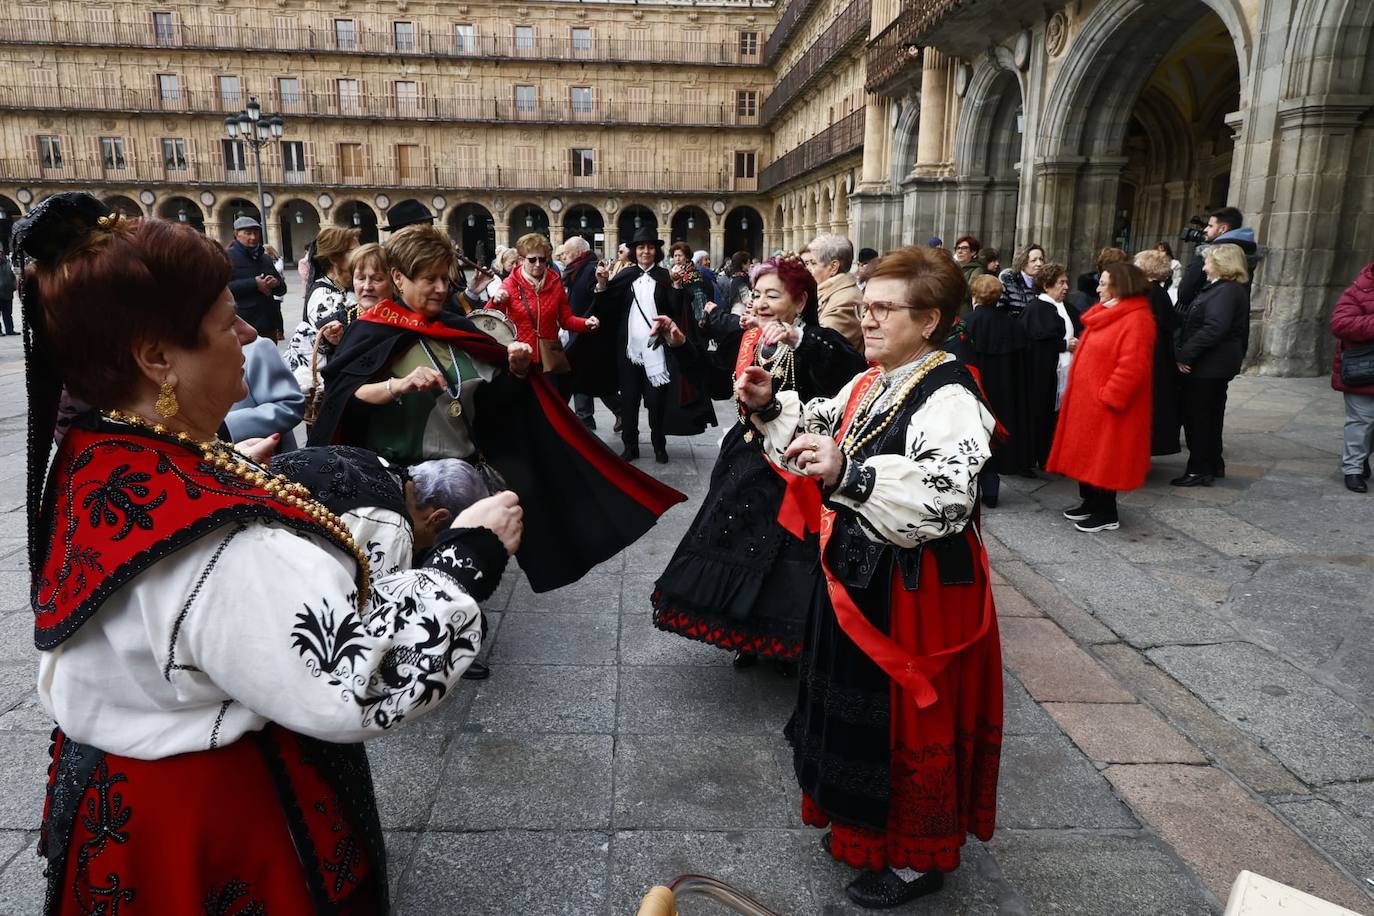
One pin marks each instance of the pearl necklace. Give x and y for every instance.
(849, 446)
(281, 488)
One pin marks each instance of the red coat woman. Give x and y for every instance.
(534, 298)
(1103, 436)
(1352, 322)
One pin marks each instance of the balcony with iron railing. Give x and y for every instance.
(959, 28)
(891, 51)
(848, 30)
(722, 50)
(790, 18)
(154, 171)
(844, 136)
(348, 105)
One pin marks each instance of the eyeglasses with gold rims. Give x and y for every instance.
(880, 310)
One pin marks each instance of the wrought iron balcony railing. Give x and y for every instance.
(790, 18)
(848, 29)
(844, 136)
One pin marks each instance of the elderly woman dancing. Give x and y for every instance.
(212, 645)
(897, 732)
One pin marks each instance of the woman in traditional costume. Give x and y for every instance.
(329, 303)
(740, 579)
(212, 645)
(415, 382)
(898, 727)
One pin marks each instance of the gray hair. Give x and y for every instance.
(829, 248)
(447, 483)
(699, 256)
(576, 245)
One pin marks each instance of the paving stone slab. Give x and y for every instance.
(1113, 874)
(505, 873)
(769, 865)
(1317, 734)
(1081, 625)
(1011, 603)
(1046, 783)
(705, 700)
(539, 782)
(642, 643)
(556, 639)
(1053, 667)
(1336, 578)
(597, 592)
(14, 591)
(545, 698)
(24, 763)
(22, 885)
(1021, 715)
(1044, 537)
(400, 845)
(1219, 829)
(1123, 733)
(1340, 837)
(1226, 533)
(702, 782)
(1302, 626)
(405, 776)
(1157, 543)
(28, 715)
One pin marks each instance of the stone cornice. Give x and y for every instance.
(1328, 111)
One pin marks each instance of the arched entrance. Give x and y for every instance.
(691, 225)
(231, 210)
(633, 218)
(300, 223)
(525, 219)
(9, 213)
(126, 207)
(587, 222)
(744, 231)
(472, 229)
(988, 157)
(358, 215)
(184, 210)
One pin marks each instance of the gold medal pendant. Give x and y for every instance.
(455, 409)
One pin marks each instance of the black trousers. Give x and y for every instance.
(1203, 406)
(7, 313)
(634, 387)
(1097, 501)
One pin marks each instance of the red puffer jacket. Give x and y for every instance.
(546, 309)
(1352, 322)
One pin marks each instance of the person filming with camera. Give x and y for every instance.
(1225, 226)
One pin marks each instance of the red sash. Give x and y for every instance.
(125, 498)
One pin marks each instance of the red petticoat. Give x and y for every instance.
(723, 636)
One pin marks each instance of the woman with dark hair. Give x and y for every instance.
(897, 732)
(1103, 436)
(686, 277)
(1051, 336)
(740, 579)
(209, 696)
(1154, 263)
(1086, 293)
(966, 249)
(329, 302)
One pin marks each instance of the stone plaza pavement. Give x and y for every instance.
(1186, 697)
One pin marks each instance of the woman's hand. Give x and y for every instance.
(481, 279)
(1071, 344)
(519, 355)
(1185, 368)
(711, 307)
(421, 378)
(776, 332)
(816, 456)
(603, 274)
(593, 323)
(260, 450)
(500, 297)
(668, 330)
(747, 321)
(754, 387)
(500, 514)
(333, 332)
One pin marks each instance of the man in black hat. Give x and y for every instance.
(254, 280)
(407, 213)
(647, 313)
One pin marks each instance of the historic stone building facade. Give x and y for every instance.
(1104, 122)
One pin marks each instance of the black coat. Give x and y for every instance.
(1045, 340)
(1164, 416)
(1015, 293)
(259, 309)
(1216, 331)
(998, 343)
(1194, 279)
(579, 281)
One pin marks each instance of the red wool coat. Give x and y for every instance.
(1103, 436)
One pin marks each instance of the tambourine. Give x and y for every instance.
(495, 325)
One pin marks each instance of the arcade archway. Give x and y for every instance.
(183, 210)
(357, 215)
(525, 219)
(300, 223)
(691, 225)
(744, 231)
(472, 229)
(231, 210)
(633, 219)
(587, 222)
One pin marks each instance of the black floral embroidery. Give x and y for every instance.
(229, 901)
(326, 645)
(104, 819)
(118, 497)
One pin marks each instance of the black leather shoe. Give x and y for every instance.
(1192, 480)
(882, 890)
(661, 455)
(1355, 483)
(745, 659)
(630, 453)
(616, 427)
(477, 672)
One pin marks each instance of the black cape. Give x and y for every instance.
(998, 343)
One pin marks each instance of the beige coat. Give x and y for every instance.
(837, 298)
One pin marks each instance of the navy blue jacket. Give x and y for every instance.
(259, 309)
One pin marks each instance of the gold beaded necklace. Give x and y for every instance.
(849, 446)
(782, 366)
(281, 488)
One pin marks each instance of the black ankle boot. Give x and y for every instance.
(882, 890)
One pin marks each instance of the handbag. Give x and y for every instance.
(552, 357)
(1357, 366)
(314, 396)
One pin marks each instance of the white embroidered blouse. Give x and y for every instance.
(927, 492)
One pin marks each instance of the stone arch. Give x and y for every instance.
(1329, 38)
(988, 151)
(123, 204)
(527, 217)
(904, 140)
(689, 223)
(744, 231)
(625, 221)
(473, 229)
(183, 210)
(588, 221)
(299, 223)
(10, 211)
(358, 215)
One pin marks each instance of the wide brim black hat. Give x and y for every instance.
(407, 213)
(642, 234)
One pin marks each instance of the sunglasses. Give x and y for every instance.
(536, 259)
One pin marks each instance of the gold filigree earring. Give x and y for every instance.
(166, 404)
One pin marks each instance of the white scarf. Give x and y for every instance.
(1065, 357)
(642, 312)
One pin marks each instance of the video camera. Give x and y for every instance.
(1192, 233)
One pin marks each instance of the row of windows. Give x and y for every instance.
(582, 161)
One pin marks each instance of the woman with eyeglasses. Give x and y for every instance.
(740, 579)
(536, 301)
(897, 731)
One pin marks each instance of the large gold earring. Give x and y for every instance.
(166, 404)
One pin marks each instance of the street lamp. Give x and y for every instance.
(182, 214)
(357, 218)
(249, 127)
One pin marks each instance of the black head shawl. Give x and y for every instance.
(45, 236)
(344, 477)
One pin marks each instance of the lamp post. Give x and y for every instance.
(249, 127)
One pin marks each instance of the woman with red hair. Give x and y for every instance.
(739, 579)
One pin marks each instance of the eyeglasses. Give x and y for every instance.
(536, 259)
(880, 310)
(964, 247)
